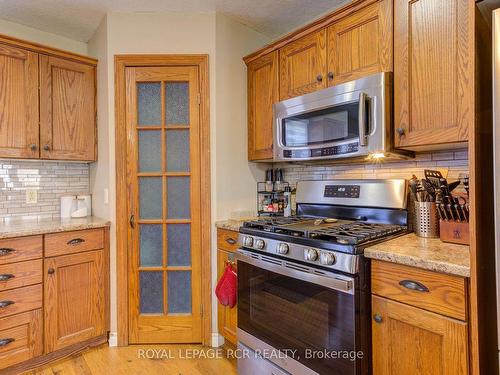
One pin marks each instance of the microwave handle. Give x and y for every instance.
(362, 119)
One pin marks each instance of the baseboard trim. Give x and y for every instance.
(217, 340)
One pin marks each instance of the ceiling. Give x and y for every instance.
(78, 19)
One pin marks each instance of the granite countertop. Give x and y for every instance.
(28, 227)
(233, 224)
(426, 253)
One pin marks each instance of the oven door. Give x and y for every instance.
(312, 317)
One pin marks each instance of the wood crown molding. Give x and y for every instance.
(39, 48)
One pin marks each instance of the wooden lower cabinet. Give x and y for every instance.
(409, 340)
(227, 317)
(74, 299)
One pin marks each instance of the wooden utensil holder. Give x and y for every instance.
(454, 232)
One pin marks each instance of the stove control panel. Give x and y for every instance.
(342, 191)
(331, 259)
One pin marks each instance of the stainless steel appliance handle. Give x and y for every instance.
(362, 119)
(329, 280)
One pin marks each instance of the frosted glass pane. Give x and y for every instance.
(179, 244)
(178, 151)
(177, 103)
(149, 151)
(150, 197)
(178, 198)
(149, 103)
(179, 291)
(151, 292)
(151, 244)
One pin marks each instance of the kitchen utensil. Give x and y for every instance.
(427, 219)
(429, 188)
(433, 177)
(452, 186)
(413, 188)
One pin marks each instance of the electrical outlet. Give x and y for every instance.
(31, 196)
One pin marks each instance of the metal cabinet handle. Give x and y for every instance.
(377, 318)
(33, 147)
(401, 131)
(319, 77)
(4, 304)
(230, 241)
(330, 75)
(414, 285)
(75, 241)
(6, 251)
(46, 147)
(4, 342)
(6, 276)
(50, 271)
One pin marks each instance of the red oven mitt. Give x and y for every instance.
(226, 289)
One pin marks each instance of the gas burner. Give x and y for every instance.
(356, 233)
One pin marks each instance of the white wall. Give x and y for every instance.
(33, 35)
(226, 42)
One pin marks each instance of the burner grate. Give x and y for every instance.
(355, 233)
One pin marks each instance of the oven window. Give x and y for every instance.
(328, 125)
(289, 313)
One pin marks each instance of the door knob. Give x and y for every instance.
(46, 147)
(377, 318)
(401, 131)
(33, 147)
(319, 77)
(330, 75)
(51, 271)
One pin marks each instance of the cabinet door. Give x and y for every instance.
(74, 299)
(361, 43)
(227, 317)
(18, 103)
(433, 76)
(262, 94)
(408, 340)
(67, 110)
(303, 65)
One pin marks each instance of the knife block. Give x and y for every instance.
(454, 232)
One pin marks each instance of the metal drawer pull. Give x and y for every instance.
(75, 241)
(6, 251)
(377, 318)
(231, 241)
(4, 342)
(6, 276)
(414, 285)
(4, 304)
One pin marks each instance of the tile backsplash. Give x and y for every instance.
(450, 163)
(50, 179)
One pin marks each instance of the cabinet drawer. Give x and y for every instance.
(21, 248)
(227, 240)
(436, 292)
(20, 337)
(73, 242)
(16, 275)
(19, 300)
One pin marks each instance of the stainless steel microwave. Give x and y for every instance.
(348, 120)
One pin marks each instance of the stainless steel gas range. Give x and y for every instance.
(303, 283)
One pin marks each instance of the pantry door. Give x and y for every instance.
(163, 178)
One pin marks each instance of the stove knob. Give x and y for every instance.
(282, 248)
(310, 255)
(327, 259)
(248, 241)
(259, 244)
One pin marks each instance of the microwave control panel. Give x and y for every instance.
(321, 152)
(342, 191)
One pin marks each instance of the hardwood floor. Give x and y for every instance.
(145, 360)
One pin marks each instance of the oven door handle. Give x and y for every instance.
(362, 119)
(344, 284)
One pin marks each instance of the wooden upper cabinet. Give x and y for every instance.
(433, 62)
(74, 293)
(360, 44)
(262, 94)
(18, 103)
(409, 340)
(67, 110)
(303, 65)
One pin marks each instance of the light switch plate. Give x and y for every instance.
(31, 196)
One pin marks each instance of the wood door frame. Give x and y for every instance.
(121, 63)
